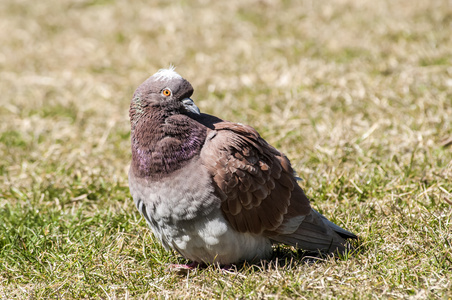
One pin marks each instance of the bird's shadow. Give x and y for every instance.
(283, 258)
(288, 258)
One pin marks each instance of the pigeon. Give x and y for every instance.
(213, 190)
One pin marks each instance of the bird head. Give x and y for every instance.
(166, 92)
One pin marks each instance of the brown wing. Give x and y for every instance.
(254, 180)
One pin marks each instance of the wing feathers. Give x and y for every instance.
(256, 179)
(245, 185)
(259, 191)
(234, 206)
(287, 181)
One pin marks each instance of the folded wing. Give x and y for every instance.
(259, 192)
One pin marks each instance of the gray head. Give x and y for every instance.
(165, 91)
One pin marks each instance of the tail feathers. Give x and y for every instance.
(317, 233)
(339, 230)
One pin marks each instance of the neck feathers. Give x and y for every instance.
(161, 146)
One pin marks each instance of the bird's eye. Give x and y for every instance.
(166, 92)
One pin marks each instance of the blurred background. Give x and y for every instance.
(306, 73)
(358, 94)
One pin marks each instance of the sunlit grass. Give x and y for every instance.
(358, 94)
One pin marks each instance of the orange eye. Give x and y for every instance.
(166, 92)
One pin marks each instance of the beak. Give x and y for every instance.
(191, 106)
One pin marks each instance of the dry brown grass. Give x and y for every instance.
(358, 94)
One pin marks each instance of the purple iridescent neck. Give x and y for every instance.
(160, 147)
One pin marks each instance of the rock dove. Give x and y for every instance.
(213, 190)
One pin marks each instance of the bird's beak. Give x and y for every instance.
(191, 106)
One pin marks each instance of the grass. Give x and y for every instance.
(358, 94)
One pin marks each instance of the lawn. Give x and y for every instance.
(357, 93)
